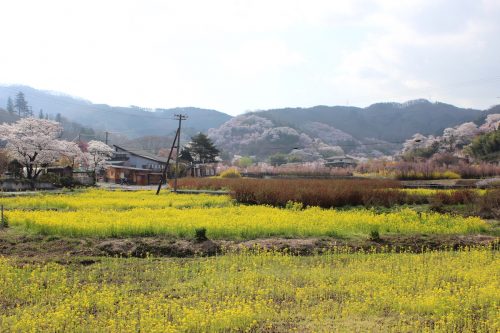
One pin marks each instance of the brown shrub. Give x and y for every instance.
(440, 167)
(488, 205)
(460, 197)
(314, 192)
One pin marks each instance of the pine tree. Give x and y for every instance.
(21, 105)
(185, 155)
(202, 149)
(58, 117)
(40, 114)
(10, 105)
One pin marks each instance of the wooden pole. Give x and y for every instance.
(180, 117)
(164, 173)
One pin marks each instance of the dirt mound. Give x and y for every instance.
(55, 248)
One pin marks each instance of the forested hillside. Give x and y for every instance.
(132, 121)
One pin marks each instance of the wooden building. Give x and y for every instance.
(136, 166)
(202, 169)
(60, 171)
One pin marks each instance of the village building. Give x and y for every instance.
(60, 171)
(134, 166)
(340, 162)
(202, 169)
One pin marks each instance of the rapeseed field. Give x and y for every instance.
(257, 292)
(98, 213)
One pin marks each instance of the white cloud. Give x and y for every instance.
(401, 61)
(256, 58)
(235, 55)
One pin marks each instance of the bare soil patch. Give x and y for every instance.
(51, 248)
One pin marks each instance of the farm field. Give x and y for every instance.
(98, 213)
(257, 292)
(68, 265)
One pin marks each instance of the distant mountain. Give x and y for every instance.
(131, 121)
(306, 133)
(392, 122)
(372, 131)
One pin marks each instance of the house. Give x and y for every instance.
(60, 171)
(137, 166)
(203, 170)
(340, 162)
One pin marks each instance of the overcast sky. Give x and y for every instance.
(235, 56)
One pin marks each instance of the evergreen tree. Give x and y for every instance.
(21, 105)
(10, 105)
(202, 149)
(185, 155)
(58, 118)
(40, 114)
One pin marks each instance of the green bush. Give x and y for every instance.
(291, 205)
(375, 236)
(230, 173)
(449, 175)
(200, 234)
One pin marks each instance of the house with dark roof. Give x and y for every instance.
(136, 166)
(340, 162)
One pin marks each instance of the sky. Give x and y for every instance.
(236, 56)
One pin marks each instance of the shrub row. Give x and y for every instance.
(429, 170)
(321, 193)
(329, 193)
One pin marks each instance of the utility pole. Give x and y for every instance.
(175, 144)
(179, 117)
(164, 173)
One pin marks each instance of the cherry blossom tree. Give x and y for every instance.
(97, 153)
(71, 153)
(33, 143)
(458, 136)
(491, 123)
(417, 141)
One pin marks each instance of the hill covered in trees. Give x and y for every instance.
(323, 131)
(305, 133)
(384, 121)
(132, 121)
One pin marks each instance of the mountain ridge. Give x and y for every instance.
(115, 118)
(375, 130)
